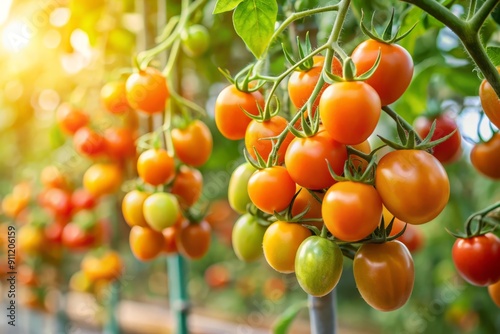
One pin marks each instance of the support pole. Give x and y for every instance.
(322, 312)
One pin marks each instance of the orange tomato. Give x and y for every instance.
(193, 144)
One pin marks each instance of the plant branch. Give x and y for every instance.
(482, 14)
(395, 116)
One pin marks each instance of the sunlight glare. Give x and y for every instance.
(4, 10)
(16, 36)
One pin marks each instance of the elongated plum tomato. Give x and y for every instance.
(271, 189)
(494, 291)
(384, 274)
(229, 117)
(350, 111)
(490, 102)
(160, 210)
(318, 265)
(351, 210)
(394, 72)
(156, 166)
(132, 205)
(102, 179)
(193, 144)
(449, 150)
(413, 185)
(70, 119)
(247, 238)
(114, 97)
(280, 245)
(302, 83)
(187, 186)
(257, 132)
(193, 239)
(476, 259)
(485, 157)
(146, 243)
(306, 160)
(147, 90)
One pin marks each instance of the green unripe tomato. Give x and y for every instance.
(247, 238)
(238, 187)
(318, 265)
(195, 40)
(160, 210)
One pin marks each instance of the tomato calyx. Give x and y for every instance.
(304, 50)
(349, 72)
(309, 124)
(480, 223)
(387, 36)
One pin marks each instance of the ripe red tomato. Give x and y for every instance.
(156, 166)
(449, 150)
(477, 259)
(271, 189)
(384, 274)
(494, 292)
(485, 157)
(114, 97)
(414, 172)
(88, 142)
(53, 231)
(257, 131)
(229, 117)
(306, 160)
(490, 102)
(351, 210)
(350, 111)
(193, 144)
(58, 202)
(147, 90)
(120, 143)
(193, 239)
(132, 207)
(187, 186)
(394, 72)
(146, 243)
(78, 238)
(102, 179)
(82, 199)
(70, 119)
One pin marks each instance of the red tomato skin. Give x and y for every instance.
(88, 142)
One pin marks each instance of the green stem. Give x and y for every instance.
(482, 14)
(472, 9)
(395, 116)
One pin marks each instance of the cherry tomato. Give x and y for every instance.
(160, 210)
(477, 258)
(170, 236)
(306, 160)
(449, 150)
(229, 117)
(193, 144)
(258, 131)
(485, 157)
(187, 186)
(305, 200)
(412, 238)
(30, 239)
(70, 119)
(156, 166)
(418, 173)
(350, 111)
(494, 292)
(52, 177)
(193, 239)
(280, 244)
(247, 238)
(217, 276)
(80, 238)
(12, 206)
(114, 97)
(146, 243)
(394, 72)
(147, 91)
(490, 101)
(318, 265)
(237, 192)
(120, 143)
(88, 142)
(384, 274)
(58, 202)
(102, 179)
(132, 208)
(53, 231)
(107, 266)
(195, 40)
(271, 189)
(82, 199)
(351, 210)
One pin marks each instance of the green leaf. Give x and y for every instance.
(284, 321)
(494, 54)
(254, 22)
(225, 6)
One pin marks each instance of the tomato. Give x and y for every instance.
(147, 90)
(384, 274)
(160, 210)
(302, 83)
(394, 72)
(305, 200)
(52, 177)
(490, 101)
(12, 206)
(247, 238)
(358, 162)
(70, 119)
(413, 185)
(237, 192)
(350, 111)
(257, 131)
(217, 276)
(318, 265)
(102, 179)
(449, 150)
(187, 186)
(306, 160)
(280, 243)
(30, 239)
(195, 40)
(193, 144)
(477, 259)
(170, 236)
(107, 266)
(494, 292)
(58, 202)
(146, 243)
(412, 238)
(81, 238)
(120, 143)
(82, 199)
(156, 166)
(485, 157)
(229, 117)
(79, 282)
(53, 231)
(88, 142)
(271, 189)
(114, 97)
(27, 276)
(351, 210)
(132, 208)
(193, 239)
